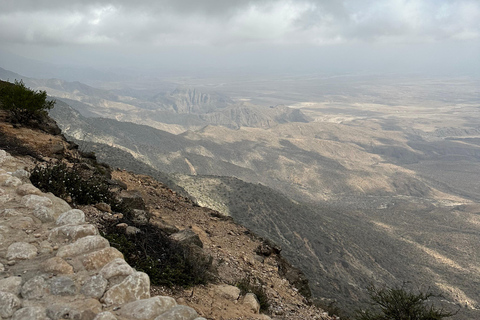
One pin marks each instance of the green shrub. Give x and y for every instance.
(164, 260)
(23, 103)
(250, 285)
(398, 303)
(68, 183)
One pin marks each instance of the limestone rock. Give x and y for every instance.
(133, 199)
(21, 174)
(83, 245)
(79, 309)
(9, 303)
(72, 232)
(3, 156)
(34, 288)
(178, 313)
(187, 237)
(31, 201)
(102, 206)
(2, 267)
(132, 230)
(59, 205)
(107, 315)
(62, 286)
(30, 313)
(146, 309)
(57, 265)
(73, 216)
(22, 223)
(227, 291)
(12, 182)
(115, 268)
(134, 287)
(100, 258)
(166, 227)
(10, 213)
(27, 188)
(11, 284)
(94, 287)
(43, 213)
(21, 250)
(251, 302)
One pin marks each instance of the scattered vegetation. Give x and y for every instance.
(398, 303)
(255, 286)
(164, 260)
(150, 250)
(68, 183)
(24, 105)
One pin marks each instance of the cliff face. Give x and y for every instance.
(238, 257)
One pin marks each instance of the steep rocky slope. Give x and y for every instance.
(237, 254)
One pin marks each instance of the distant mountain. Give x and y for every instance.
(191, 100)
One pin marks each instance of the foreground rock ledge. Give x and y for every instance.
(55, 266)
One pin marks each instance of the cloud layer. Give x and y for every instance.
(227, 23)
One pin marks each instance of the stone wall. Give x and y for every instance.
(53, 265)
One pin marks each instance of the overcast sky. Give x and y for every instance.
(321, 35)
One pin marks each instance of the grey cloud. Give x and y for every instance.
(220, 22)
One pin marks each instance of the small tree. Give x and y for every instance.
(23, 103)
(401, 304)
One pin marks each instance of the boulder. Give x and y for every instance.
(34, 288)
(57, 265)
(72, 232)
(187, 237)
(21, 250)
(250, 301)
(228, 292)
(30, 313)
(146, 309)
(44, 214)
(100, 258)
(178, 313)
(62, 286)
(9, 303)
(32, 200)
(115, 268)
(73, 216)
(83, 245)
(134, 287)
(94, 287)
(11, 284)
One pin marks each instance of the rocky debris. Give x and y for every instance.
(133, 199)
(228, 292)
(103, 207)
(54, 265)
(187, 237)
(250, 301)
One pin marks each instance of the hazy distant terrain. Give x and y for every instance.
(359, 178)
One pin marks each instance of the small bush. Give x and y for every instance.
(164, 260)
(401, 304)
(249, 285)
(23, 103)
(68, 183)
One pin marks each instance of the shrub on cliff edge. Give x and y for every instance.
(23, 103)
